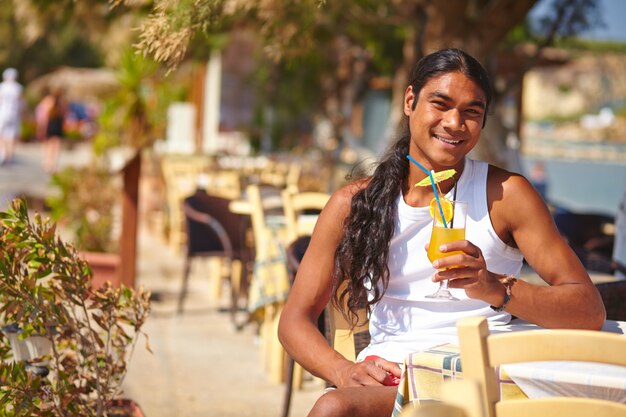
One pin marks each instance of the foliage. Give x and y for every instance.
(85, 204)
(37, 36)
(44, 38)
(346, 46)
(45, 289)
(135, 115)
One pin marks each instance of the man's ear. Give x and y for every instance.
(409, 101)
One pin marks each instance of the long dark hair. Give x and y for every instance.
(361, 259)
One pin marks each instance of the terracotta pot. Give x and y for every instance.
(124, 407)
(105, 267)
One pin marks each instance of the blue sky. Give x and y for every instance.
(614, 13)
(614, 16)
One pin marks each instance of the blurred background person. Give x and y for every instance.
(41, 114)
(11, 106)
(51, 113)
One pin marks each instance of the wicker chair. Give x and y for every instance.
(214, 231)
(614, 297)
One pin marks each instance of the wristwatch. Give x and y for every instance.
(508, 282)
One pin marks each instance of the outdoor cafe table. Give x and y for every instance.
(426, 371)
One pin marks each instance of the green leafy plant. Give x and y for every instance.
(85, 206)
(45, 290)
(135, 115)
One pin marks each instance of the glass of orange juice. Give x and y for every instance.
(453, 228)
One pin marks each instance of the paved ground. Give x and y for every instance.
(200, 366)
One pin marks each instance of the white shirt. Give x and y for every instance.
(10, 103)
(404, 321)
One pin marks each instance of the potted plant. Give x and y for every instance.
(85, 208)
(93, 198)
(46, 292)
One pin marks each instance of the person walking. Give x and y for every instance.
(11, 107)
(51, 112)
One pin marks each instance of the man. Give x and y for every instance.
(372, 236)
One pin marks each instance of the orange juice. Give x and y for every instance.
(440, 236)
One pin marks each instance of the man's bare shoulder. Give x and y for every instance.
(342, 198)
(510, 194)
(506, 183)
(349, 190)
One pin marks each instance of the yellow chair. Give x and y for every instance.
(299, 224)
(343, 338)
(435, 410)
(295, 204)
(270, 283)
(224, 183)
(180, 174)
(460, 398)
(481, 352)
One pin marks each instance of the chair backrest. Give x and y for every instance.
(434, 410)
(298, 203)
(339, 334)
(211, 226)
(180, 174)
(224, 183)
(262, 203)
(460, 398)
(482, 352)
(343, 338)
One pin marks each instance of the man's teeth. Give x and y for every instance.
(452, 142)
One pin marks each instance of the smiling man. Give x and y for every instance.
(372, 236)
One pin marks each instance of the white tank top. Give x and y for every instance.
(404, 321)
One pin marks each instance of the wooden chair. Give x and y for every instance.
(180, 174)
(293, 372)
(343, 338)
(481, 352)
(266, 214)
(460, 398)
(295, 205)
(224, 183)
(332, 324)
(434, 410)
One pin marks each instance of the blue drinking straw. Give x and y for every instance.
(432, 182)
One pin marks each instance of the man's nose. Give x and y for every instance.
(452, 119)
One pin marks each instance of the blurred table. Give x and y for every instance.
(426, 371)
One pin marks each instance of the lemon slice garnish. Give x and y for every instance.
(446, 207)
(438, 177)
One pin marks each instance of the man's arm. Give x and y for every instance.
(520, 215)
(309, 296)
